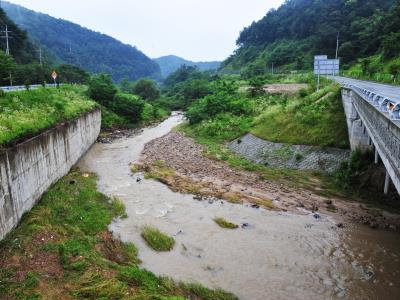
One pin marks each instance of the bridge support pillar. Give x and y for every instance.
(387, 183)
(376, 156)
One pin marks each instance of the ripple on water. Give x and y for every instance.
(275, 256)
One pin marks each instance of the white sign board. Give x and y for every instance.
(325, 66)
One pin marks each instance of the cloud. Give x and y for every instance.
(194, 29)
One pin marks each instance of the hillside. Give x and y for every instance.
(21, 48)
(171, 63)
(292, 34)
(73, 44)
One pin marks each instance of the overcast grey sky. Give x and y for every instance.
(193, 29)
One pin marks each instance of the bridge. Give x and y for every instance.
(373, 119)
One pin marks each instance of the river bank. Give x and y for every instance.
(272, 248)
(179, 162)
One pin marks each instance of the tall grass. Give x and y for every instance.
(26, 113)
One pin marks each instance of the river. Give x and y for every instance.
(277, 256)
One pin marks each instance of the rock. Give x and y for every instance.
(245, 225)
(255, 206)
(373, 225)
(316, 216)
(179, 232)
(138, 180)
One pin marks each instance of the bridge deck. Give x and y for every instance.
(384, 90)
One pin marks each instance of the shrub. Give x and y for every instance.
(146, 89)
(102, 89)
(128, 106)
(220, 102)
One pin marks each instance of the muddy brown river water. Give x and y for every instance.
(277, 256)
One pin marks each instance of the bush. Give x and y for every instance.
(349, 172)
(146, 89)
(220, 102)
(102, 89)
(128, 106)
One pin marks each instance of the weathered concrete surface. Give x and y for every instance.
(370, 128)
(278, 155)
(30, 168)
(358, 135)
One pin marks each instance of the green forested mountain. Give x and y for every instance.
(171, 63)
(292, 34)
(73, 44)
(21, 48)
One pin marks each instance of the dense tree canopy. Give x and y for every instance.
(300, 29)
(146, 89)
(75, 45)
(20, 47)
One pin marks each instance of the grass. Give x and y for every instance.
(318, 120)
(62, 249)
(26, 113)
(376, 68)
(157, 240)
(225, 224)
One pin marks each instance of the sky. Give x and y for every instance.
(198, 30)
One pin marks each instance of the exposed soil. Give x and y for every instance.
(179, 162)
(35, 259)
(289, 88)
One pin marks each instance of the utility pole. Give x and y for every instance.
(337, 44)
(7, 37)
(40, 56)
(319, 74)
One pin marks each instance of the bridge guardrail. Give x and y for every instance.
(16, 88)
(380, 130)
(383, 104)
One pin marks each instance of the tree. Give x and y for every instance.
(102, 89)
(146, 89)
(7, 66)
(129, 106)
(72, 74)
(391, 45)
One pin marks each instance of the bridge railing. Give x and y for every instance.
(383, 104)
(373, 110)
(16, 88)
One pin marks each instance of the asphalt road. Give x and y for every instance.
(385, 90)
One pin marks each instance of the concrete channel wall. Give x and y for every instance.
(27, 170)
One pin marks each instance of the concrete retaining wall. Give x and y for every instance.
(30, 168)
(277, 155)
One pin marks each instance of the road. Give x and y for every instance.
(385, 90)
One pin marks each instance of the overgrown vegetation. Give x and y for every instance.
(27, 113)
(125, 109)
(314, 119)
(66, 42)
(62, 248)
(291, 35)
(157, 240)
(225, 224)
